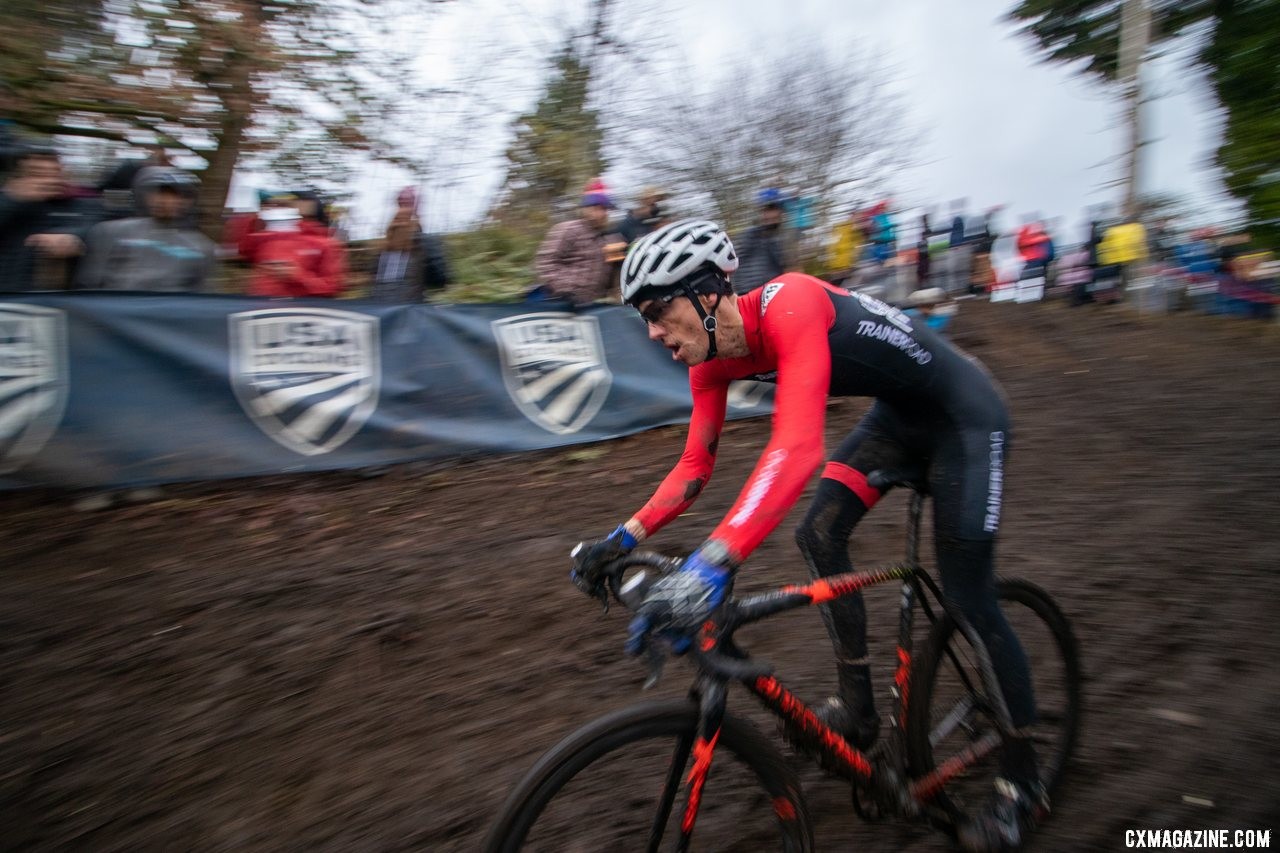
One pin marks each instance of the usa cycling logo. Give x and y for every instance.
(308, 377)
(33, 380)
(554, 368)
(749, 394)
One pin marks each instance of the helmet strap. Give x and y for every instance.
(708, 320)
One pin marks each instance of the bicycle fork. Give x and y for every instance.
(711, 696)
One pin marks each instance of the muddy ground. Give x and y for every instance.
(346, 663)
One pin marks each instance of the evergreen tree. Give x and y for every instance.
(1239, 53)
(556, 149)
(1244, 66)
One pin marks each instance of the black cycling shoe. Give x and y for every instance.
(1007, 822)
(860, 731)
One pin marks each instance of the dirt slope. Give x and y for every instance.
(346, 664)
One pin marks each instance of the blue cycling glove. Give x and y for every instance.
(678, 604)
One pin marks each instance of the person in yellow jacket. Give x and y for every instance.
(845, 249)
(1123, 246)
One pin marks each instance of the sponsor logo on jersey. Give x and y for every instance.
(770, 290)
(882, 309)
(308, 377)
(760, 487)
(33, 380)
(554, 368)
(895, 337)
(995, 483)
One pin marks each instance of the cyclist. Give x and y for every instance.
(936, 410)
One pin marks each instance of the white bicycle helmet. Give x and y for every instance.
(664, 259)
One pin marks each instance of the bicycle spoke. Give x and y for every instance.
(675, 772)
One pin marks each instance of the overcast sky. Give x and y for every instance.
(1000, 128)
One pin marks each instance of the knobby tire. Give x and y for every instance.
(934, 656)
(674, 720)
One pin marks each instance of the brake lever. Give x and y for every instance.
(656, 660)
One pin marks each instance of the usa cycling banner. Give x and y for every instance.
(118, 389)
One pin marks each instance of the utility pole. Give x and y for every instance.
(1135, 35)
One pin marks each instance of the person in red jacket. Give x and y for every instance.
(1034, 247)
(292, 256)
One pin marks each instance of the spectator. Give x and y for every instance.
(922, 252)
(571, 263)
(931, 304)
(884, 234)
(1198, 255)
(119, 185)
(288, 260)
(643, 219)
(848, 238)
(1162, 241)
(160, 251)
(1075, 274)
(1124, 245)
(760, 253)
(315, 221)
(1033, 247)
(1233, 249)
(412, 262)
(984, 241)
(43, 223)
(959, 256)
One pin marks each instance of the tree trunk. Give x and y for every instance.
(216, 180)
(239, 99)
(1135, 34)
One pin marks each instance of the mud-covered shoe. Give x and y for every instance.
(1007, 821)
(859, 730)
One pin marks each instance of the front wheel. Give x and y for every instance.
(619, 782)
(950, 718)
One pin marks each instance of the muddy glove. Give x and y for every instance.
(677, 605)
(590, 558)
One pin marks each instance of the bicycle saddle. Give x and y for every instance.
(883, 479)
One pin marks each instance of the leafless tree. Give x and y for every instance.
(808, 122)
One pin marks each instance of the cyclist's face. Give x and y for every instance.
(677, 326)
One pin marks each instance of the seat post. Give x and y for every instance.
(914, 511)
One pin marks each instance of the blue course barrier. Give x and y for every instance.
(123, 389)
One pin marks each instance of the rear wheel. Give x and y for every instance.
(950, 717)
(618, 783)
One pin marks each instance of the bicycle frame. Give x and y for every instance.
(716, 639)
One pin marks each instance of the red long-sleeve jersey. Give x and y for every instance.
(787, 323)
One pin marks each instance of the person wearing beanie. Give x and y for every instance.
(572, 262)
(412, 262)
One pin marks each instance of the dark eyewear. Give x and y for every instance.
(654, 311)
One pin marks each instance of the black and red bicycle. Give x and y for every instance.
(619, 781)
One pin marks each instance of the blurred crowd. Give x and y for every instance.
(136, 229)
(919, 261)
